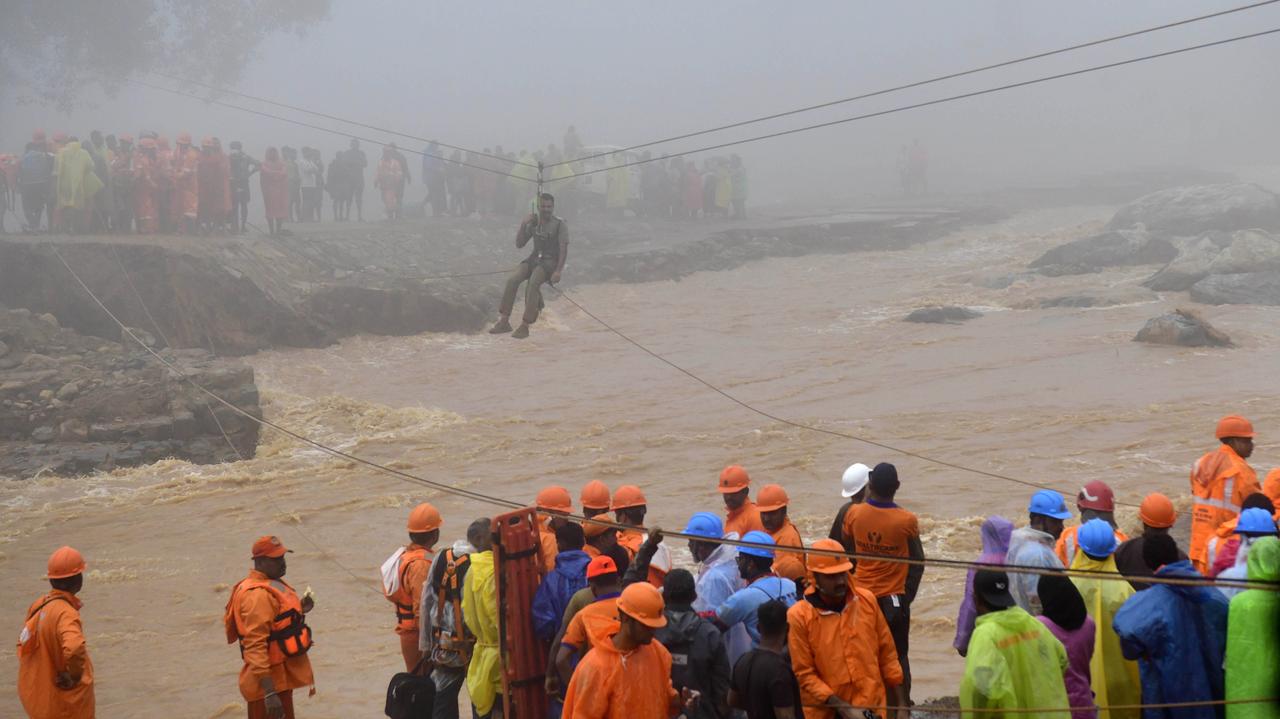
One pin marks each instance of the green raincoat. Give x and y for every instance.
(1013, 662)
(77, 183)
(1253, 637)
(480, 611)
(1115, 679)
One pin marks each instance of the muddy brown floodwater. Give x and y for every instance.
(1058, 396)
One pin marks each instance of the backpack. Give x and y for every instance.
(37, 168)
(411, 695)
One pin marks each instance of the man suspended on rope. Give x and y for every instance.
(550, 237)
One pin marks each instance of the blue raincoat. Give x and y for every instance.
(569, 575)
(1178, 635)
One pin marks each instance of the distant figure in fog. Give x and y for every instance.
(275, 191)
(433, 174)
(738, 187)
(242, 168)
(295, 182)
(390, 180)
(357, 162)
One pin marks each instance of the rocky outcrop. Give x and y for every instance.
(1219, 253)
(1189, 211)
(72, 404)
(1114, 248)
(950, 315)
(1248, 288)
(1184, 329)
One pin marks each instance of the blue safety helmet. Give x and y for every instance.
(1255, 521)
(758, 537)
(705, 524)
(1097, 538)
(1050, 504)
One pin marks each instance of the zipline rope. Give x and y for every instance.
(928, 103)
(920, 83)
(509, 504)
(345, 121)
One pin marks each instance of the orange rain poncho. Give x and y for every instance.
(1220, 481)
(611, 685)
(56, 644)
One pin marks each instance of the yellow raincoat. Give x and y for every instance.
(1115, 679)
(724, 187)
(480, 611)
(77, 183)
(619, 184)
(1013, 662)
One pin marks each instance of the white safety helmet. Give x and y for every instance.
(855, 478)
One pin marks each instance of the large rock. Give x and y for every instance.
(1248, 288)
(1114, 248)
(97, 405)
(1188, 211)
(950, 315)
(1192, 263)
(1184, 329)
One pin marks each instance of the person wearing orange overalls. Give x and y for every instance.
(1220, 481)
(552, 503)
(185, 199)
(773, 501)
(405, 573)
(265, 615)
(741, 514)
(55, 675)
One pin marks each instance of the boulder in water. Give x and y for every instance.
(1188, 211)
(1183, 328)
(950, 314)
(1114, 248)
(1247, 288)
(1192, 263)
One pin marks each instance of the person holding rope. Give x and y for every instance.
(550, 237)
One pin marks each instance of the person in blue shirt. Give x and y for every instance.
(755, 566)
(717, 571)
(560, 584)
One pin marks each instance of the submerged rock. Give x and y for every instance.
(1183, 328)
(1115, 248)
(1247, 288)
(949, 314)
(1188, 211)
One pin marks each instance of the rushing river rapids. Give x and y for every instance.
(1058, 396)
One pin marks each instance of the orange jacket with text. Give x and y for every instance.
(849, 654)
(265, 616)
(743, 519)
(415, 568)
(608, 684)
(788, 564)
(52, 642)
(1220, 481)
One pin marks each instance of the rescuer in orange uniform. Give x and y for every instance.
(628, 674)
(842, 652)
(404, 575)
(1220, 481)
(268, 619)
(595, 499)
(741, 516)
(552, 504)
(772, 504)
(629, 508)
(55, 675)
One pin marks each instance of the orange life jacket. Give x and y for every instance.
(290, 636)
(453, 649)
(402, 597)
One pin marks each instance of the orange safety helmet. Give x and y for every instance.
(424, 518)
(555, 498)
(1233, 425)
(269, 545)
(64, 562)
(59, 136)
(734, 479)
(38, 136)
(1157, 511)
(595, 495)
(643, 602)
(827, 564)
(628, 495)
(772, 497)
(184, 138)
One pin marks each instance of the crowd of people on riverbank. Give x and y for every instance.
(775, 627)
(108, 183)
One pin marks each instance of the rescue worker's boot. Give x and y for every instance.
(502, 327)
(521, 332)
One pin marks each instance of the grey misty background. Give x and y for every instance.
(517, 74)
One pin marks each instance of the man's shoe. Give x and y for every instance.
(502, 328)
(521, 332)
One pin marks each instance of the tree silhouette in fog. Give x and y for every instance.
(50, 52)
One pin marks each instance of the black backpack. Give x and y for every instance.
(36, 168)
(411, 695)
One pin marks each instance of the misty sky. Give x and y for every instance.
(516, 74)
